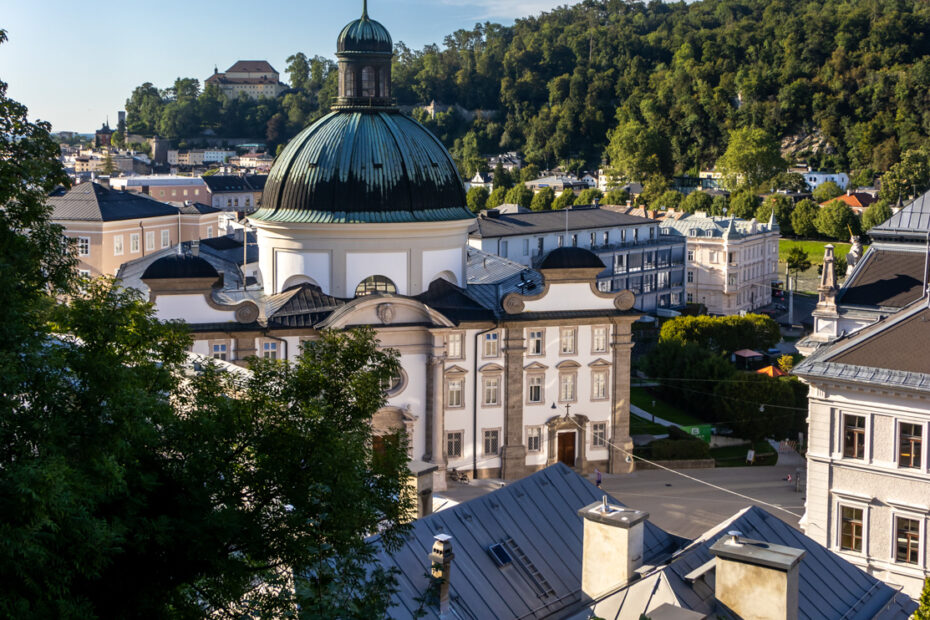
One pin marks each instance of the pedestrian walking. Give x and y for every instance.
(597, 477)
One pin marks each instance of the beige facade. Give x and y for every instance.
(103, 246)
(730, 264)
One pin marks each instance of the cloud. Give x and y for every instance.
(506, 9)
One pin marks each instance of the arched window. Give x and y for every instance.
(350, 83)
(375, 284)
(383, 90)
(368, 82)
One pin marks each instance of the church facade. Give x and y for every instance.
(363, 222)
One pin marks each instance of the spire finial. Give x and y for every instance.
(365, 9)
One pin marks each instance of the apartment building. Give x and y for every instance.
(166, 188)
(731, 262)
(635, 255)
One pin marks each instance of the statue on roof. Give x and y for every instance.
(855, 252)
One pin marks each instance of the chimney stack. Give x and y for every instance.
(613, 546)
(757, 580)
(421, 485)
(441, 560)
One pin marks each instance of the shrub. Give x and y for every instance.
(679, 449)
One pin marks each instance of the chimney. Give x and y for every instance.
(421, 486)
(441, 560)
(613, 546)
(755, 579)
(195, 247)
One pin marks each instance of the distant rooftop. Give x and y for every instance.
(541, 222)
(711, 226)
(911, 222)
(95, 203)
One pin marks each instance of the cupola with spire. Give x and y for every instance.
(365, 51)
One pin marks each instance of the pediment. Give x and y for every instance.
(600, 363)
(383, 311)
(568, 364)
(491, 368)
(535, 366)
(455, 370)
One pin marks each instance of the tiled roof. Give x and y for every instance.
(541, 222)
(913, 221)
(251, 66)
(539, 515)
(92, 202)
(856, 200)
(885, 278)
(197, 208)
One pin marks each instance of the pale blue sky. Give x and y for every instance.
(75, 63)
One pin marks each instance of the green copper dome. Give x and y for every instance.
(366, 36)
(364, 165)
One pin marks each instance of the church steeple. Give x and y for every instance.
(365, 51)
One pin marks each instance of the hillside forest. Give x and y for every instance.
(650, 89)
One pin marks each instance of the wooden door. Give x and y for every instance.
(567, 448)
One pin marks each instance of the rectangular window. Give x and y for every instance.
(149, 241)
(732, 258)
(599, 435)
(535, 342)
(713, 257)
(851, 529)
(567, 388)
(491, 345)
(133, 243)
(526, 247)
(83, 246)
(165, 238)
(606, 237)
(690, 256)
(505, 246)
(535, 388)
(454, 445)
(599, 385)
(533, 439)
(209, 232)
(690, 277)
(599, 339)
(561, 240)
(567, 341)
(574, 241)
(593, 240)
(118, 245)
(690, 298)
(219, 352)
(492, 388)
(619, 263)
(492, 442)
(909, 445)
(854, 436)
(907, 540)
(454, 393)
(454, 345)
(270, 350)
(540, 244)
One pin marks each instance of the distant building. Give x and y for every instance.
(857, 201)
(510, 161)
(103, 136)
(255, 78)
(111, 227)
(635, 256)
(235, 193)
(256, 162)
(166, 188)
(557, 183)
(813, 179)
(199, 157)
(481, 179)
(731, 262)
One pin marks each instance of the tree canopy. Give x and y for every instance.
(722, 334)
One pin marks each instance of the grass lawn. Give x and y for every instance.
(640, 397)
(810, 279)
(642, 426)
(735, 456)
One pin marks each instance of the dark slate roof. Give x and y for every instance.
(180, 266)
(302, 305)
(93, 202)
(197, 208)
(571, 258)
(828, 585)
(251, 66)
(218, 183)
(911, 222)
(541, 222)
(453, 303)
(891, 352)
(540, 515)
(364, 166)
(366, 36)
(885, 278)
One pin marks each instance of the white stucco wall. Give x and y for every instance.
(190, 308)
(569, 296)
(393, 265)
(437, 261)
(315, 265)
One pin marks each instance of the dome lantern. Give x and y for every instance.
(365, 50)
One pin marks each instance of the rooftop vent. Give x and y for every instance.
(500, 554)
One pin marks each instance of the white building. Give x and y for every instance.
(255, 78)
(814, 179)
(635, 255)
(505, 369)
(731, 263)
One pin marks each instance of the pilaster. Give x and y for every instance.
(621, 445)
(435, 420)
(513, 453)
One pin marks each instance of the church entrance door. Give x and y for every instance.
(567, 448)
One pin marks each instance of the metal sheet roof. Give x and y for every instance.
(913, 221)
(541, 222)
(886, 278)
(92, 202)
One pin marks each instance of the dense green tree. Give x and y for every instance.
(565, 199)
(743, 204)
(923, 610)
(529, 172)
(298, 70)
(752, 157)
(722, 334)
(637, 151)
(477, 198)
(720, 205)
(588, 196)
(909, 177)
(543, 199)
(756, 406)
(502, 178)
(497, 197)
(802, 218)
(826, 191)
(617, 197)
(143, 110)
(836, 220)
(790, 181)
(797, 260)
(875, 214)
(783, 207)
(698, 201)
(685, 371)
(519, 194)
(670, 199)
